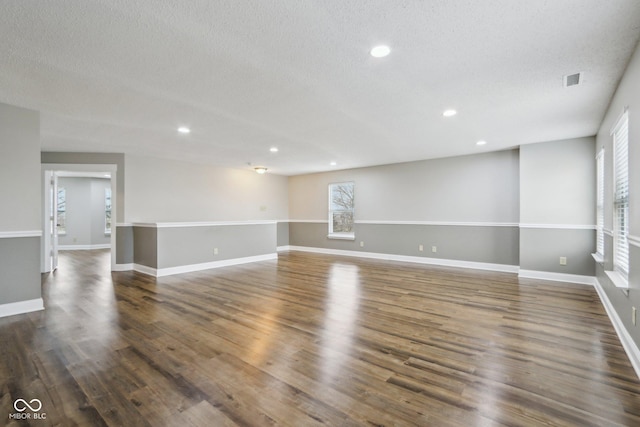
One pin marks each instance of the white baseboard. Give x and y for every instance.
(557, 277)
(630, 347)
(160, 272)
(84, 247)
(21, 307)
(150, 271)
(407, 258)
(123, 267)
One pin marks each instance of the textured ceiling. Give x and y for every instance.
(121, 76)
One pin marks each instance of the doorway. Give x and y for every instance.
(101, 180)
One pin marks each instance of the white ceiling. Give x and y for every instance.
(121, 76)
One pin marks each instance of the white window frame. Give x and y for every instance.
(63, 191)
(620, 134)
(600, 205)
(108, 208)
(341, 234)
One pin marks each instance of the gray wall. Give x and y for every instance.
(19, 269)
(283, 233)
(493, 245)
(185, 245)
(20, 169)
(400, 206)
(145, 246)
(476, 188)
(124, 244)
(85, 215)
(21, 204)
(160, 190)
(627, 95)
(179, 246)
(557, 206)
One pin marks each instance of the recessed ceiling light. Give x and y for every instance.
(261, 170)
(449, 113)
(380, 51)
(481, 142)
(333, 163)
(273, 149)
(184, 129)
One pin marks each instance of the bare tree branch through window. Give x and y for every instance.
(341, 207)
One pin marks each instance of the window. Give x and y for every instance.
(107, 210)
(621, 197)
(61, 208)
(600, 204)
(341, 206)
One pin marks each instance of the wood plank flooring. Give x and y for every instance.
(314, 340)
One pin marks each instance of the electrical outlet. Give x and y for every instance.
(633, 315)
(563, 260)
(362, 244)
(421, 248)
(215, 251)
(434, 249)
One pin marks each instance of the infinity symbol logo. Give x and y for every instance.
(26, 405)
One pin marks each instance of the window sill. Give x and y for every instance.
(342, 236)
(107, 233)
(599, 259)
(618, 280)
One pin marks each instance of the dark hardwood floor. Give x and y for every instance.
(311, 340)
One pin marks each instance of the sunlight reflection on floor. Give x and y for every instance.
(341, 308)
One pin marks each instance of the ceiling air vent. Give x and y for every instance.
(573, 80)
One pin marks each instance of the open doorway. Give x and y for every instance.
(79, 210)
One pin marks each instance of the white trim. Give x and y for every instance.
(630, 347)
(123, 267)
(161, 272)
(80, 167)
(124, 224)
(17, 234)
(149, 271)
(83, 247)
(617, 279)
(608, 232)
(284, 248)
(341, 236)
(598, 258)
(618, 121)
(200, 224)
(633, 240)
(407, 258)
(458, 224)
(446, 223)
(560, 226)
(21, 307)
(556, 277)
